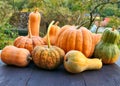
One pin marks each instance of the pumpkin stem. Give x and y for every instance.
(29, 30)
(48, 39)
(36, 10)
(113, 28)
(56, 23)
(29, 58)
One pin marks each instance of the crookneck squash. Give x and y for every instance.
(81, 39)
(35, 19)
(107, 48)
(47, 56)
(76, 62)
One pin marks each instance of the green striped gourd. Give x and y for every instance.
(107, 48)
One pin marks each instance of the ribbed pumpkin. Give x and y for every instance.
(48, 57)
(28, 42)
(107, 48)
(12, 55)
(52, 34)
(71, 38)
(35, 18)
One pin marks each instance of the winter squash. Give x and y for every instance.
(107, 48)
(52, 34)
(71, 38)
(0, 54)
(12, 55)
(28, 42)
(47, 56)
(35, 19)
(76, 62)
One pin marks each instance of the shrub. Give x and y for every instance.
(7, 35)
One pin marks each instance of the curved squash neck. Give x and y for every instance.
(29, 30)
(48, 38)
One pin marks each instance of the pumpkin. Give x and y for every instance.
(12, 55)
(76, 62)
(107, 48)
(28, 42)
(47, 56)
(0, 54)
(35, 19)
(71, 38)
(52, 34)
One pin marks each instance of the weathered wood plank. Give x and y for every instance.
(107, 76)
(14, 76)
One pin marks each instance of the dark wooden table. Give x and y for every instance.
(109, 75)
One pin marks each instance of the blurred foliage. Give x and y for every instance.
(110, 10)
(5, 11)
(74, 12)
(7, 35)
(114, 22)
(79, 12)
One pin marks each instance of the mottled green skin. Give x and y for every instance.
(107, 48)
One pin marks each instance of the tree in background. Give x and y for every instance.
(77, 12)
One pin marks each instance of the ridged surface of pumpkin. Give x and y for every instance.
(28, 43)
(48, 58)
(70, 38)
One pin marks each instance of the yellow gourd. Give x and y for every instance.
(76, 62)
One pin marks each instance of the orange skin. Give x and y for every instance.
(71, 38)
(35, 19)
(12, 55)
(0, 54)
(54, 29)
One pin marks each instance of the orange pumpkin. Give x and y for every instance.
(35, 18)
(71, 38)
(0, 54)
(12, 55)
(28, 42)
(54, 29)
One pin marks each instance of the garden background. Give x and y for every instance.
(14, 15)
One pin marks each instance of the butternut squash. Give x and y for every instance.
(12, 55)
(35, 18)
(76, 62)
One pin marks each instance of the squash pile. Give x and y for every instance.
(68, 45)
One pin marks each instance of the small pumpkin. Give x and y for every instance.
(28, 42)
(48, 57)
(107, 48)
(35, 19)
(71, 38)
(52, 34)
(12, 55)
(76, 62)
